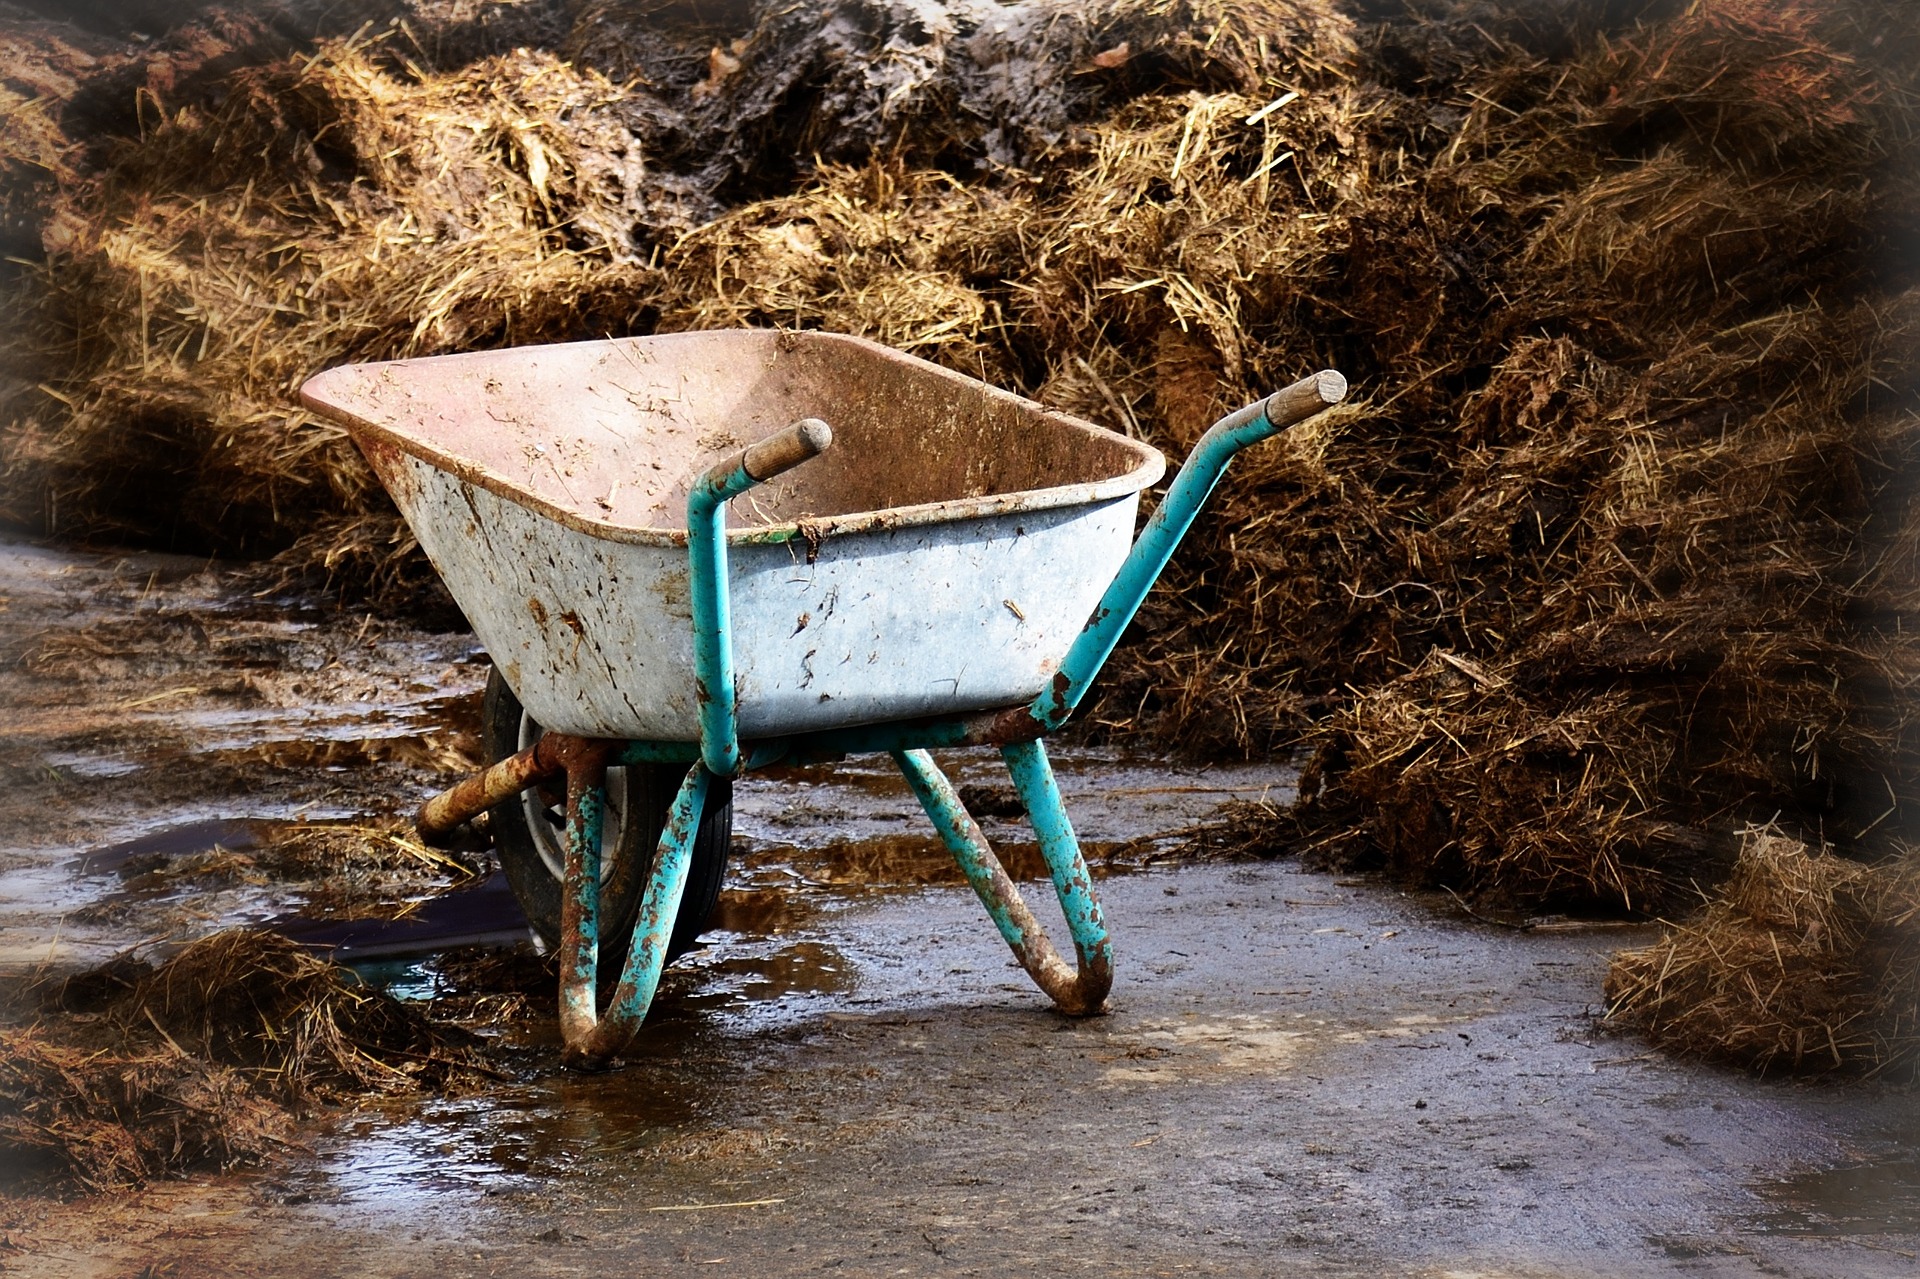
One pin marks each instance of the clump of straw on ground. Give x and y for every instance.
(1802, 962)
(340, 869)
(133, 1071)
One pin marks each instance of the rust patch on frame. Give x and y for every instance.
(553, 754)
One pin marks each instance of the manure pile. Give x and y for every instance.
(1612, 558)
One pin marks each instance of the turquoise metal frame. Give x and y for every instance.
(1078, 989)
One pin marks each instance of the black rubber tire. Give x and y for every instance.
(639, 796)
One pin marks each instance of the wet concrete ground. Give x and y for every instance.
(1297, 1077)
(1300, 1074)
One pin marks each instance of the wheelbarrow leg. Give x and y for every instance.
(580, 903)
(1078, 990)
(589, 1037)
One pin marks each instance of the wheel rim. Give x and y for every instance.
(547, 823)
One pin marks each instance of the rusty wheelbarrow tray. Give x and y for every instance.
(953, 570)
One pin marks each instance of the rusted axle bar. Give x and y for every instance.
(549, 757)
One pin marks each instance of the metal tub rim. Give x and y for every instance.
(1149, 465)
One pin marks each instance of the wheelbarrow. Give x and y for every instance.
(915, 560)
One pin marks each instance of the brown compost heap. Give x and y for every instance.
(1611, 560)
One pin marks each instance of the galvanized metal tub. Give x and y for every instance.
(940, 558)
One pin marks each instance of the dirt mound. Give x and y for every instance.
(133, 1071)
(971, 85)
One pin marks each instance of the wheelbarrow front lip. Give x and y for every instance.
(331, 394)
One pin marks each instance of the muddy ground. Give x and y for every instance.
(1300, 1074)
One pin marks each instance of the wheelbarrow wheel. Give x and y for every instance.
(528, 833)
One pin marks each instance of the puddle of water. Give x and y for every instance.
(744, 974)
(445, 1149)
(486, 914)
(92, 767)
(132, 856)
(408, 980)
(676, 1098)
(765, 912)
(1872, 1198)
(519, 1139)
(876, 777)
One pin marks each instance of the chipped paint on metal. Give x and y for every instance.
(661, 905)
(441, 815)
(1077, 990)
(947, 497)
(1032, 775)
(580, 897)
(714, 686)
(923, 602)
(590, 1041)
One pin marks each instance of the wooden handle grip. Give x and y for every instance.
(784, 450)
(1305, 398)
